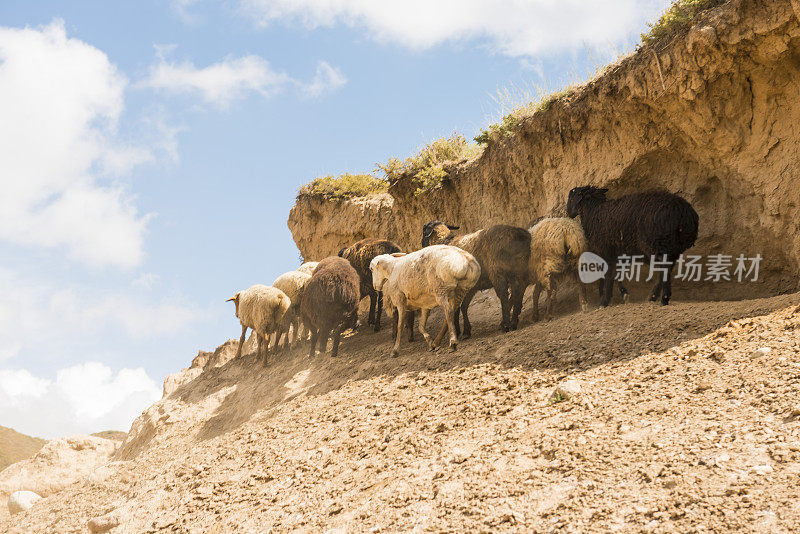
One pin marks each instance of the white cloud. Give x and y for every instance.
(60, 101)
(83, 398)
(232, 79)
(512, 27)
(326, 79)
(41, 318)
(182, 9)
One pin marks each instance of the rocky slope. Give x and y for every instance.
(712, 115)
(681, 424)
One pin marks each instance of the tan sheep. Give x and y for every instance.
(292, 283)
(556, 245)
(438, 275)
(308, 267)
(261, 308)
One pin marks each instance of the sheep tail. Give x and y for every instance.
(574, 245)
(462, 269)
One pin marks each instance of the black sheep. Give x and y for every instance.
(360, 254)
(330, 302)
(653, 223)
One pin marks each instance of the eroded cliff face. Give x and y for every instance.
(713, 115)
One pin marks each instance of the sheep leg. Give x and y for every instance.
(295, 329)
(551, 296)
(448, 307)
(441, 333)
(314, 336)
(608, 284)
(668, 285)
(581, 293)
(337, 334)
(410, 320)
(258, 340)
(423, 321)
(267, 339)
(378, 311)
(373, 298)
(501, 289)
(656, 293)
(537, 293)
(401, 319)
(241, 341)
(517, 294)
(324, 335)
(464, 307)
(623, 293)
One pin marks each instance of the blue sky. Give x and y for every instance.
(153, 150)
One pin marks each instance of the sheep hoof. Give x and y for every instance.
(432, 347)
(394, 354)
(377, 328)
(626, 298)
(453, 346)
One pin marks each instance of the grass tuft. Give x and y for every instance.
(680, 15)
(427, 166)
(516, 103)
(343, 186)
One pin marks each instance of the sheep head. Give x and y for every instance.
(235, 300)
(382, 267)
(579, 197)
(437, 233)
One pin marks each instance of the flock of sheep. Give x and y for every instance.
(449, 270)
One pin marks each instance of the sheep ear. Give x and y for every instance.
(398, 254)
(234, 298)
(453, 227)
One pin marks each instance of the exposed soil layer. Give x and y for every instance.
(712, 115)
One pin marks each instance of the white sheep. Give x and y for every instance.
(308, 267)
(292, 283)
(556, 245)
(261, 308)
(438, 275)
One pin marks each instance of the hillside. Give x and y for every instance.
(677, 426)
(15, 446)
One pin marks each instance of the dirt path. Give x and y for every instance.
(676, 428)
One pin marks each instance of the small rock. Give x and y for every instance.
(19, 501)
(105, 522)
(718, 355)
(762, 469)
(459, 456)
(566, 390)
(758, 353)
(334, 508)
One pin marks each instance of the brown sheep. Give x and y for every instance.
(330, 302)
(360, 254)
(503, 253)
